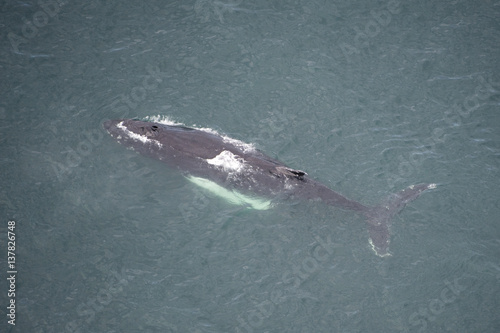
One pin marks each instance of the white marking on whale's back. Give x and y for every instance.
(231, 196)
(245, 147)
(228, 161)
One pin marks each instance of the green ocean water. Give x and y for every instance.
(367, 97)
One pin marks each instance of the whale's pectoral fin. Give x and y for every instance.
(287, 172)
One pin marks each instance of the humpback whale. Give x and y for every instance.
(220, 163)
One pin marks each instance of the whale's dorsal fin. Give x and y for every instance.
(287, 172)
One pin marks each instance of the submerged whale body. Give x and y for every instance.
(224, 164)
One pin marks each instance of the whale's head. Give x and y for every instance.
(131, 128)
(162, 141)
(135, 133)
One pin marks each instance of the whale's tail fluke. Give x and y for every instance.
(379, 217)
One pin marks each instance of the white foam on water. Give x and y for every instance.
(135, 136)
(131, 134)
(228, 161)
(163, 120)
(246, 147)
(374, 248)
